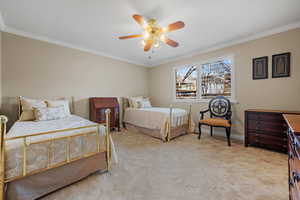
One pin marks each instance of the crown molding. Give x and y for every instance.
(193, 53)
(68, 45)
(229, 43)
(2, 24)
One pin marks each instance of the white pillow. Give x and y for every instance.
(134, 101)
(63, 103)
(27, 108)
(49, 113)
(145, 103)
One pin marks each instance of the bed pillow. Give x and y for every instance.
(27, 108)
(49, 113)
(56, 103)
(133, 101)
(145, 103)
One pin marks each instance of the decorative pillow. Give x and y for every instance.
(56, 103)
(27, 108)
(145, 103)
(133, 101)
(50, 113)
(27, 115)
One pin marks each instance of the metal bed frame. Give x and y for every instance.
(26, 144)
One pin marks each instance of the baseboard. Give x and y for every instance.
(221, 132)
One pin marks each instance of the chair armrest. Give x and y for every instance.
(203, 112)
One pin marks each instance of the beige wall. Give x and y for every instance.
(280, 93)
(0, 72)
(38, 69)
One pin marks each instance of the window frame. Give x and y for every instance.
(198, 98)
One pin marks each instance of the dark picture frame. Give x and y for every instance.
(260, 68)
(281, 65)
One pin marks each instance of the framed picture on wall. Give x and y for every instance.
(281, 65)
(260, 68)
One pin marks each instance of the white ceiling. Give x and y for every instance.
(94, 25)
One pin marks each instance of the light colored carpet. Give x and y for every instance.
(184, 168)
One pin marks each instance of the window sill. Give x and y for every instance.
(233, 101)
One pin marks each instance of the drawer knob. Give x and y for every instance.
(296, 176)
(291, 182)
(295, 144)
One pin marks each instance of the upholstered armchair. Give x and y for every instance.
(220, 116)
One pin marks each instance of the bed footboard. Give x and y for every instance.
(80, 132)
(169, 123)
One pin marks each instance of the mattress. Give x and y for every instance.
(38, 154)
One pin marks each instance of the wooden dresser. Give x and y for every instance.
(293, 122)
(98, 105)
(266, 129)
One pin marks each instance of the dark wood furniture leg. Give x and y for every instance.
(228, 130)
(211, 131)
(199, 131)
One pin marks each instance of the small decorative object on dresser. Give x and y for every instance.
(98, 105)
(266, 129)
(260, 68)
(281, 65)
(293, 122)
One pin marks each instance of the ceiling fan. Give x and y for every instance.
(154, 34)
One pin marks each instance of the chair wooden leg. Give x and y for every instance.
(211, 131)
(228, 130)
(199, 131)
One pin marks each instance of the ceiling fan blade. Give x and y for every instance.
(139, 19)
(130, 36)
(148, 45)
(170, 42)
(175, 26)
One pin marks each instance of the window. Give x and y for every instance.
(186, 82)
(205, 80)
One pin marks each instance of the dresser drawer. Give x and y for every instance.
(265, 117)
(294, 145)
(282, 134)
(268, 141)
(294, 180)
(278, 127)
(294, 192)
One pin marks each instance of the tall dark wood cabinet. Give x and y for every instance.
(266, 129)
(293, 122)
(98, 105)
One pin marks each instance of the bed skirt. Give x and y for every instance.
(175, 132)
(43, 183)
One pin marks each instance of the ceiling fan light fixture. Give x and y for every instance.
(164, 30)
(143, 43)
(156, 44)
(146, 35)
(154, 34)
(163, 37)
